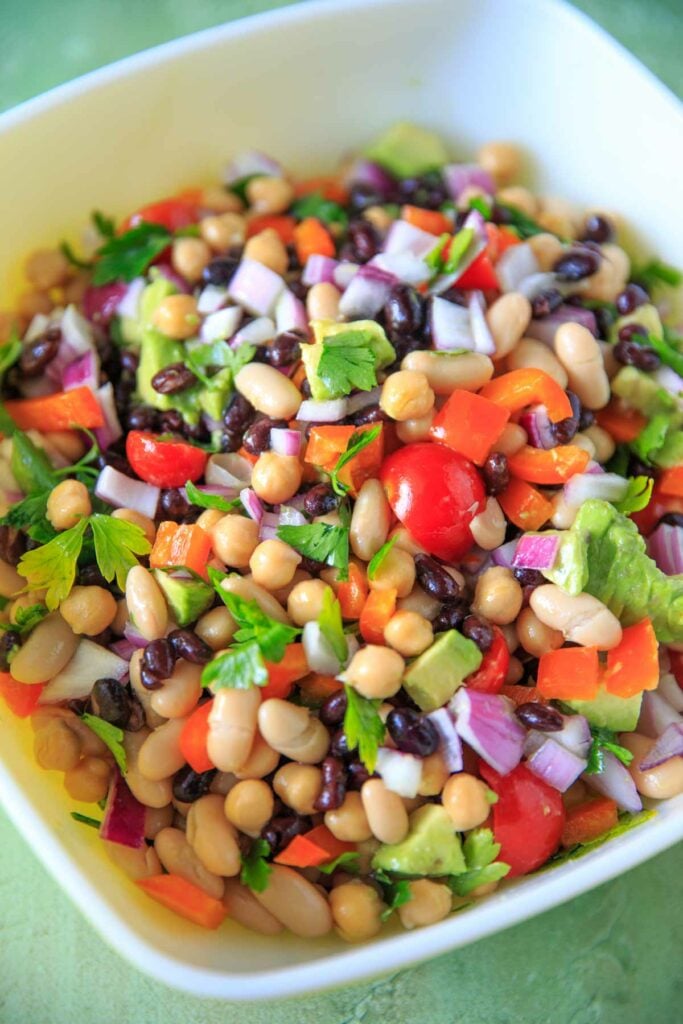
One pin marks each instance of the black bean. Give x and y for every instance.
(220, 271)
(333, 710)
(339, 746)
(630, 353)
(129, 360)
(334, 785)
(149, 681)
(586, 419)
(320, 500)
(672, 519)
(305, 388)
(285, 349)
(173, 504)
(457, 296)
(604, 318)
(362, 241)
(539, 716)
(478, 631)
(171, 422)
(238, 414)
(412, 733)
(230, 442)
(197, 432)
(256, 437)
(529, 577)
(630, 299)
(109, 700)
(280, 831)
(598, 228)
(403, 312)
(10, 641)
(12, 544)
(159, 658)
(141, 417)
(39, 353)
(173, 379)
(546, 302)
(310, 565)
(427, 190)
(368, 414)
(90, 576)
(189, 785)
(496, 473)
(451, 616)
(564, 430)
(436, 580)
(186, 644)
(362, 196)
(356, 774)
(577, 264)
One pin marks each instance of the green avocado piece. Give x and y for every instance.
(376, 339)
(406, 150)
(187, 599)
(647, 316)
(570, 570)
(433, 678)
(622, 576)
(661, 440)
(620, 714)
(432, 847)
(643, 392)
(156, 352)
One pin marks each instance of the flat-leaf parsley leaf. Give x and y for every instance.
(363, 728)
(359, 440)
(255, 868)
(347, 362)
(322, 542)
(124, 257)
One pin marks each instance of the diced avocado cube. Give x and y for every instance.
(620, 714)
(187, 599)
(432, 847)
(433, 678)
(406, 150)
(377, 341)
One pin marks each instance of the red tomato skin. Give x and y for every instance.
(527, 819)
(436, 493)
(173, 214)
(164, 463)
(490, 675)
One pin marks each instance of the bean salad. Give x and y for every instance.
(341, 536)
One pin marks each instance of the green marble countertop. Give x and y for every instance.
(610, 957)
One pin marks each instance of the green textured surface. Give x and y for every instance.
(610, 957)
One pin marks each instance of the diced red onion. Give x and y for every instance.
(290, 516)
(66, 355)
(615, 782)
(540, 431)
(123, 648)
(290, 313)
(319, 653)
(403, 266)
(228, 469)
(101, 302)
(504, 555)
(656, 714)
(76, 331)
(584, 486)
(367, 172)
(220, 325)
(267, 532)
(211, 298)
(344, 274)
(251, 162)
(256, 332)
(403, 237)
(458, 177)
(362, 399)
(536, 551)
(670, 690)
(132, 636)
(401, 773)
(517, 263)
(545, 328)
(124, 816)
(669, 744)
(483, 339)
(556, 765)
(322, 412)
(83, 372)
(112, 430)
(366, 294)
(130, 303)
(665, 546)
(90, 663)
(284, 441)
(450, 743)
(255, 287)
(252, 504)
(486, 722)
(122, 491)
(319, 270)
(450, 325)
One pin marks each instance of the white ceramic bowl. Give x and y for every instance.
(307, 83)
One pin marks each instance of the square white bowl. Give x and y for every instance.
(306, 84)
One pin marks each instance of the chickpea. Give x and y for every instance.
(266, 247)
(121, 617)
(375, 671)
(249, 806)
(189, 257)
(216, 628)
(349, 822)
(534, 636)
(556, 215)
(409, 633)
(56, 747)
(465, 799)
(89, 610)
(515, 672)
(234, 540)
(498, 596)
(66, 443)
(47, 268)
(220, 200)
(269, 195)
(273, 564)
(547, 249)
(356, 910)
(396, 572)
(380, 218)
(508, 318)
(299, 786)
(502, 160)
(322, 301)
(276, 478)
(209, 518)
(581, 440)
(223, 231)
(420, 602)
(519, 197)
(68, 503)
(306, 601)
(88, 781)
(176, 316)
(429, 902)
(611, 277)
(406, 395)
(434, 775)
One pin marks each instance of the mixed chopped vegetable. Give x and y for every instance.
(342, 536)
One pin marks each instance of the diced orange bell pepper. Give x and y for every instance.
(21, 698)
(312, 239)
(671, 482)
(633, 665)
(431, 221)
(327, 444)
(352, 593)
(621, 422)
(589, 821)
(552, 466)
(282, 224)
(193, 739)
(519, 388)
(470, 425)
(186, 899)
(317, 687)
(570, 673)
(61, 411)
(184, 545)
(328, 187)
(524, 505)
(283, 674)
(522, 694)
(312, 848)
(377, 610)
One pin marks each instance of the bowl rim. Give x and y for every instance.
(518, 902)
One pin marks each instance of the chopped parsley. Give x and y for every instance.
(325, 210)
(396, 892)
(519, 222)
(604, 740)
(347, 362)
(217, 355)
(117, 542)
(480, 852)
(359, 440)
(105, 226)
(348, 861)
(637, 496)
(331, 627)
(26, 619)
(377, 559)
(656, 272)
(111, 735)
(363, 728)
(255, 868)
(202, 499)
(321, 542)
(124, 257)
(9, 354)
(666, 350)
(83, 819)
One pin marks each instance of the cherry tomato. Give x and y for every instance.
(174, 213)
(436, 493)
(527, 819)
(490, 675)
(164, 463)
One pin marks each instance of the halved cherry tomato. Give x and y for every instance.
(164, 463)
(527, 819)
(173, 213)
(436, 493)
(490, 675)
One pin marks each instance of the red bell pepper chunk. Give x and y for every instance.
(490, 675)
(283, 674)
(21, 698)
(164, 463)
(633, 665)
(479, 275)
(554, 466)
(519, 388)
(352, 593)
(313, 848)
(469, 424)
(589, 821)
(569, 673)
(671, 482)
(61, 411)
(377, 611)
(174, 213)
(524, 505)
(193, 739)
(185, 545)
